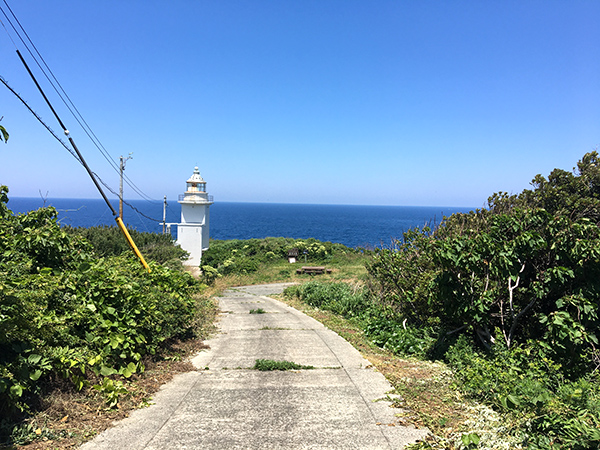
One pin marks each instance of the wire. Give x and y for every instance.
(70, 105)
(107, 157)
(69, 149)
(4, 26)
(126, 202)
(143, 223)
(41, 121)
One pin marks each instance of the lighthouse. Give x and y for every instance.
(192, 232)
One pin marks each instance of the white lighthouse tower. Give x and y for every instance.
(192, 232)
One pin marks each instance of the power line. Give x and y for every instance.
(70, 105)
(126, 202)
(69, 149)
(118, 219)
(106, 156)
(41, 121)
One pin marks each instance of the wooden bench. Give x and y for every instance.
(313, 270)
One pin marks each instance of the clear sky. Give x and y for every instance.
(433, 103)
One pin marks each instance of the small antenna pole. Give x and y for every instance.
(122, 167)
(121, 188)
(165, 215)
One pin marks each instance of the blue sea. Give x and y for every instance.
(351, 225)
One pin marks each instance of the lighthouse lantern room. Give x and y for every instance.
(192, 232)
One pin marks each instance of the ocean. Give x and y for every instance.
(351, 225)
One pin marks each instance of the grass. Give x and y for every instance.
(274, 328)
(269, 364)
(426, 388)
(351, 267)
(257, 311)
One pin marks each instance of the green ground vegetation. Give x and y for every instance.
(508, 297)
(487, 325)
(109, 241)
(252, 261)
(265, 365)
(76, 316)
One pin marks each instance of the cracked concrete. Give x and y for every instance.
(341, 404)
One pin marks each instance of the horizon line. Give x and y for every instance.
(251, 202)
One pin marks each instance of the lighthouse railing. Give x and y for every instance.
(200, 197)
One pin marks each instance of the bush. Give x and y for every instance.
(513, 293)
(394, 336)
(339, 298)
(528, 266)
(67, 313)
(109, 241)
(248, 256)
(525, 382)
(380, 325)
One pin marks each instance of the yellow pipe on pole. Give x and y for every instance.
(131, 243)
(89, 171)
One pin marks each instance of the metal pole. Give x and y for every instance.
(89, 171)
(122, 166)
(164, 214)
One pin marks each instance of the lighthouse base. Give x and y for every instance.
(190, 238)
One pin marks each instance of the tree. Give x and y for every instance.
(525, 268)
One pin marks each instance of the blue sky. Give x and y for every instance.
(433, 103)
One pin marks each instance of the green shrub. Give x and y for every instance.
(528, 266)
(209, 274)
(512, 293)
(553, 412)
(109, 241)
(400, 340)
(248, 256)
(401, 278)
(339, 298)
(67, 313)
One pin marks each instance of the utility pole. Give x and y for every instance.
(87, 168)
(122, 166)
(164, 215)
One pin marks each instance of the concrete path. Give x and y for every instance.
(227, 405)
